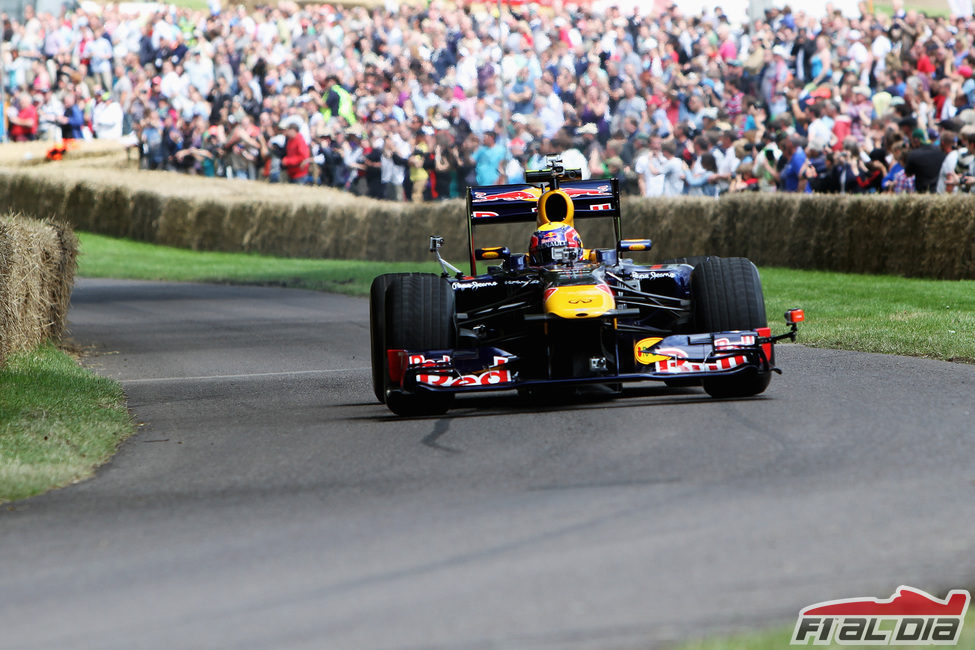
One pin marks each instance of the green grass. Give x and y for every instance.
(928, 318)
(893, 315)
(778, 639)
(104, 257)
(58, 422)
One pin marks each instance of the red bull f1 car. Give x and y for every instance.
(563, 316)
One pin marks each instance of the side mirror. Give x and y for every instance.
(492, 253)
(606, 256)
(630, 245)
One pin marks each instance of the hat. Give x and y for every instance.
(519, 118)
(920, 134)
(862, 90)
(967, 116)
(710, 112)
(854, 35)
(615, 161)
(780, 50)
(427, 130)
(965, 71)
(444, 125)
(896, 100)
(950, 124)
(823, 92)
(589, 129)
(106, 96)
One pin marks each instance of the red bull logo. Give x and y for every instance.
(526, 194)
(601, 190)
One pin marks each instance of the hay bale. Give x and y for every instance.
(111, 210)
(60, 276)
(36, 273)
(144, 220)
(81, 208)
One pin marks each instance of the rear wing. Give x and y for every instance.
(494, 204)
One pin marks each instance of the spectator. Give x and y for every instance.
(488, 159)
(923, 162)
(297, 155)
(568, 72)
(25, 121)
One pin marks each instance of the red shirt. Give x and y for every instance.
(296, 154)
(20, 133)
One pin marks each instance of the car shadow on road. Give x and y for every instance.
(507, 403)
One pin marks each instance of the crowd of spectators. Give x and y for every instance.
(416, 102)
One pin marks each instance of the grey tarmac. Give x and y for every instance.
(268, 501)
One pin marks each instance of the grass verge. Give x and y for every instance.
(58, 422)
(925, 318)
(105, 257)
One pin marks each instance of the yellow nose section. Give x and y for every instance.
(579, 301)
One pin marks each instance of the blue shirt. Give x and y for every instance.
(487, 161)
(790, 174)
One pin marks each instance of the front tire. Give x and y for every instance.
(728, 296)
(420, 316)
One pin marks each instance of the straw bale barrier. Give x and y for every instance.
(910, 235)
(37, 266)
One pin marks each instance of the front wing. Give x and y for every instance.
(694, 356)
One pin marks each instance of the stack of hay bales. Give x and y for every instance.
(37, 267)
(911, 235)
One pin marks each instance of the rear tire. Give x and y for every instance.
(728, 296)
(377, 326)
(420, 314)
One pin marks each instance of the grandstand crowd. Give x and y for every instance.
(417, 102)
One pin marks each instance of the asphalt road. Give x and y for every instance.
(269, 502)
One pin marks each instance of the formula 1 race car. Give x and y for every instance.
(563, 316)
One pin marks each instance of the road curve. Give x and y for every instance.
(269, 502)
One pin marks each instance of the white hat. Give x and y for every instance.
(779, 50)
(589, 128)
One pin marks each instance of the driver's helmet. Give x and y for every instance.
(550, 237)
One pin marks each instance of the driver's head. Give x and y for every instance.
(548, 238)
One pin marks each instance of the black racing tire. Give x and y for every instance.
(420, 315)
(728, 296)
(377, 327)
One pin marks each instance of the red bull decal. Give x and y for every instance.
(489, 377)
(418, 360)
(728, 344)
(601, 206)
(602, 190)
(527, 194)
(678, 362)
(484, 215)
